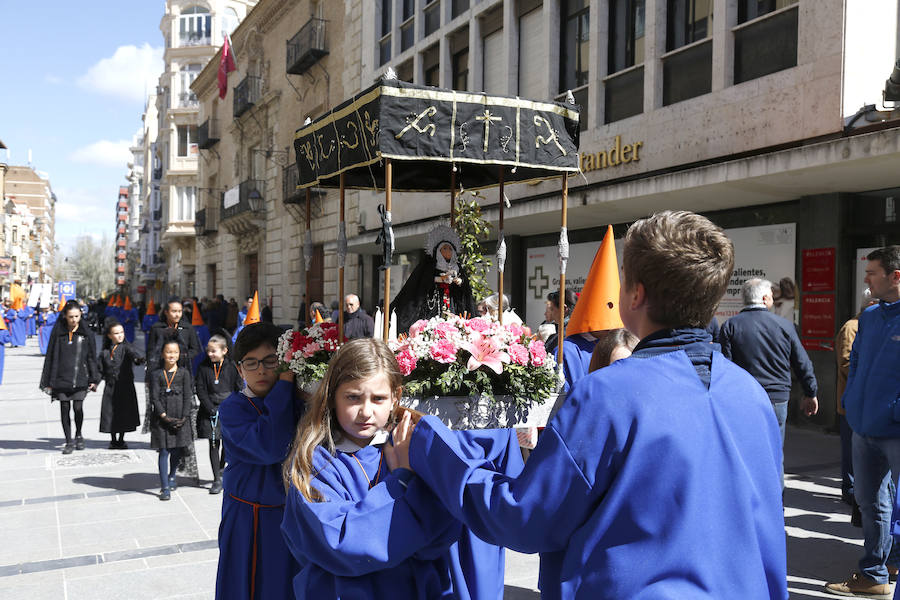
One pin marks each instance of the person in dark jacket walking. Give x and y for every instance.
(217, 378)
(70, 370)
(357, 324)
(119, 409)
(170, 396)
(767, 346)
(172, 327)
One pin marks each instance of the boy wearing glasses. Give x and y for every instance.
(258, 425)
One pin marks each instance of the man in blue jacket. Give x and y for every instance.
(658, 470)
(767, 347)
(872, 402)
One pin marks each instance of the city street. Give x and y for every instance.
(89, 525)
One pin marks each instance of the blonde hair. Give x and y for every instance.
(358, 359)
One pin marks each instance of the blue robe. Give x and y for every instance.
(242, 315)
(146, 324)
(256, 444)
(16, 324)
(646, 483)
(45, 330)
(577, 353)
(203, 335)
(30, 327)
(129, 321)
(4, 339)
(394, 540)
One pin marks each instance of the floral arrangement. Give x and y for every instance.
(453, 356)
(307, 352)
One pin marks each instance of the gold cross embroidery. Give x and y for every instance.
(487, 118)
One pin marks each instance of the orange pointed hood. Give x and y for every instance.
(62, 303)
(196, 317)
(151, 308)
(127, 303)
(598, 305)
(2, 323)
(253, 312)
(319, 318)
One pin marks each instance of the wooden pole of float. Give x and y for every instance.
(499, 272)
(387, 270)
(307, 259)
(560, 331)
(341, 269)
(452, 196)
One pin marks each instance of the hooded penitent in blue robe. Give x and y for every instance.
(16, 323)
(653, 476)
(4, 339)
(129, 319)
(383, 534)
(45, 330)
(577, 351)
(203, 335)
(30, 326)
(257, 433)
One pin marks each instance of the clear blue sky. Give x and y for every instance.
(72, 79)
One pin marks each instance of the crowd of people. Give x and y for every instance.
(340, 492)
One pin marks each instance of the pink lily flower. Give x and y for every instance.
(485, 351)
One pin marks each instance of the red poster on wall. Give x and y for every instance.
(817, 316)
(817, 269)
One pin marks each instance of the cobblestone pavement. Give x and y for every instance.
(89, 525)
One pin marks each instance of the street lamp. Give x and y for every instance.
(254, 199)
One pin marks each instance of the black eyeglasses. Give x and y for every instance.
(252, 364)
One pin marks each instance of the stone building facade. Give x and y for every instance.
(27, 224)
(295, 60)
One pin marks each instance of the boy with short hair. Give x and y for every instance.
(258, 425)
(658, 470)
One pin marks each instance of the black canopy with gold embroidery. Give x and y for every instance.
(427, 129)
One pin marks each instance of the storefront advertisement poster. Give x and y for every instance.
(818, 269)
(766, 251)
(818, 316)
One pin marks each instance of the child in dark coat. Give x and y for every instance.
(217, 378)
(119, 408)
(170, 398)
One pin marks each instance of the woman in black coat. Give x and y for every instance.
(70, 370)
(119, 409)
(171, 401)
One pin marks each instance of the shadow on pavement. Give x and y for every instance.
(38, 444)
(511, 592)
(143, 483)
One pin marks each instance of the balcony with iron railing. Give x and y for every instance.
(306, 47)
(244, 213)
(290, 179)
(188, 100)
(206, 221)
(208, 134)
(246, 94)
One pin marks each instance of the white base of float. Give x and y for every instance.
(476, 412)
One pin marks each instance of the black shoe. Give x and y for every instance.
(122, 445)
(164, 494)
(216, 487)
(113, 446)
(67, 449)
(856, 517)
(173, 485)
(79, 442)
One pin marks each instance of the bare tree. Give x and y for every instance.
(91, 264)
